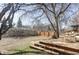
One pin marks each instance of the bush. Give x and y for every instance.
(20, 32)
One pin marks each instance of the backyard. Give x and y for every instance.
(19, 45)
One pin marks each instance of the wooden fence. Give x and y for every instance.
(40, 33)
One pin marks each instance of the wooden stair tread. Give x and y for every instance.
(62, 51)
(60, 46)
(71, 45)
(42, 49)
(53, 48)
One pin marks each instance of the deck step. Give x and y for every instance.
(55, 49)
(45, 50)
(65, 48)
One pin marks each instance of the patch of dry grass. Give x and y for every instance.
(20, 45)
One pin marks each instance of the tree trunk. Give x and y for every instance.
(0, 34)
(0, 37)
(57, 28)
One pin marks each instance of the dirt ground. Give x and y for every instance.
(19, 45)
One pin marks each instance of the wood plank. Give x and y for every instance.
(61, 51)
(60, 46)
(42, 49)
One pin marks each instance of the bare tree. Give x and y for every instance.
(53, 11)
(6, 22)
(58, 11)
(76, 19)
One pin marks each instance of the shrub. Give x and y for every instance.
(20, 32)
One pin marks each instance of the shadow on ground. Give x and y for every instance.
(27, 53)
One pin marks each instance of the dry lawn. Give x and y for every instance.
(19, 45)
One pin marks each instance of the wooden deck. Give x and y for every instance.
(57, 48)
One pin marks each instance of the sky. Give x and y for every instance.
(27, 19)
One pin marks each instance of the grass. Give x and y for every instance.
(20, 46)
(27, 51)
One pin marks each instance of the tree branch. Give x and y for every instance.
(49, 20)
(5, 10)
(64, 10)
(48, 8)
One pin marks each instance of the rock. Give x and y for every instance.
(77, 38)
(70, 39)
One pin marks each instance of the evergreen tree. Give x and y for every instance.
(19, 23)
